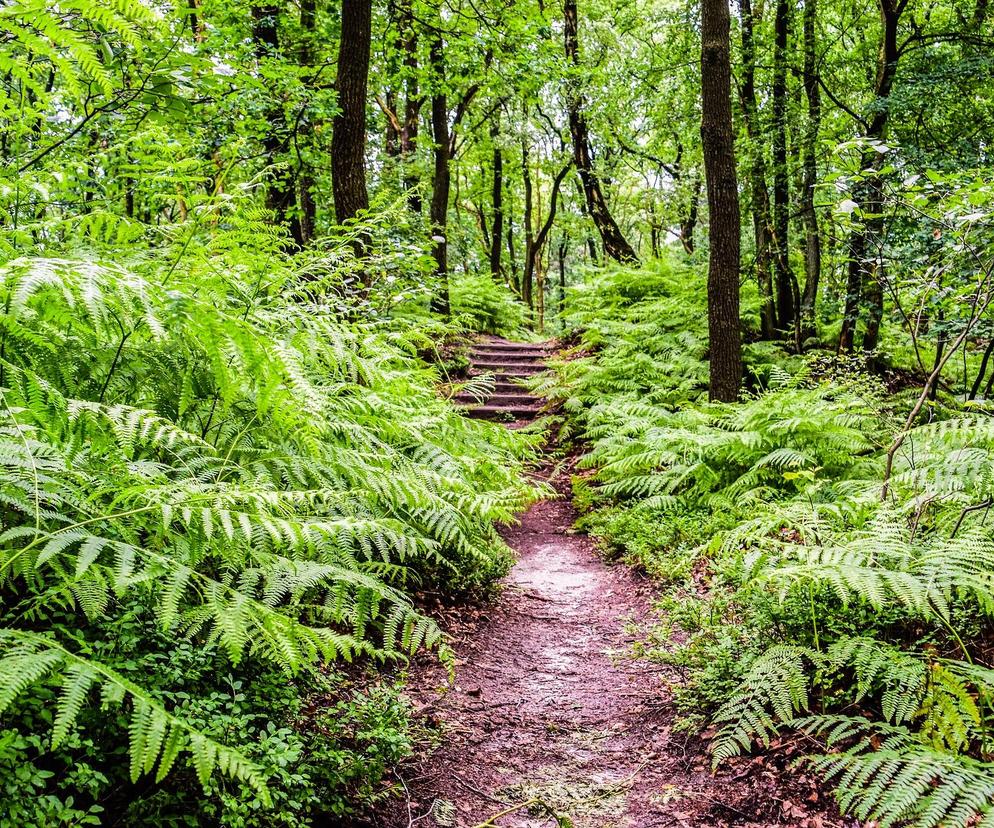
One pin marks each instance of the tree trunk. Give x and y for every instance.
(534, 247)
(527, 275)
(717, 139)
(305, 182)
(759, 196)
(348, 143)
(281, 190)
(440, 183)
(809, 175)
(786, 284)
(689, 223)
(412, 108)
(497, 199)
(615, 244)
(861, 266)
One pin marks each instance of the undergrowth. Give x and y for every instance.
(214, 491)
(806, 599)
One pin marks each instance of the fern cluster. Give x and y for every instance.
(859, 619)
(235, 462)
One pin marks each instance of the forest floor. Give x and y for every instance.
(551, 714)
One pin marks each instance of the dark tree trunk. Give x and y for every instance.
(305, 182)
(527, 274)
(717, 139)
(281, 192)
(615, 244)
(497, 199)
(562, 275)
(861, 277)
(689, 223)
(759, 196)
(982, 370)
(786, 283)
(591, 245)
(535, 247)
(441, 180)
(412, 108)
(809, 175)
(348, 143)
(511, 255)
(196, 29)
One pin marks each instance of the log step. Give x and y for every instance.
(515, 399)
(504, 367)
(504, 412)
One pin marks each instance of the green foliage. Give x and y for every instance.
(481, 305)
(805, 600)
(201, 447)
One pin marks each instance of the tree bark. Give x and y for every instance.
(689, 223)
(527, 274)
(348, 143)
(305, 181)
(809, 175)
(861, 277)
(281, 190)
(759, 196)
(441, 180)
(717, 139)
(412, 108)
(786, 284)
(615, 244)
(497, 202)
(534, 248)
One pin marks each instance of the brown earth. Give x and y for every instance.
(551, 717)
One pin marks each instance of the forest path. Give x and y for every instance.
(549, 707)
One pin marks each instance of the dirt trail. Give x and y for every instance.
(549, 706)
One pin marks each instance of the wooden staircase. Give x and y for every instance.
(509, 363)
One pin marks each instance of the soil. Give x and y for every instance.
(551, 717)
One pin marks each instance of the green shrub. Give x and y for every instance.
(480, 304)
(209, 454)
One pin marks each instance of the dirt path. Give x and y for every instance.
(550, 715)
(549, 706)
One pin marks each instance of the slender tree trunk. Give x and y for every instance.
(497, 199)
(865, 235)
(809, 175)
(591, 245)
(759, 196)
(305, 181)
(514, 279)
(615, 244)
(348, 144)
(689, 223)
(536, 245)
(196, 29)
(786, 284)
(281, 192)
(982, 370)
(717, 138)
(562, 275)
(412, 108)
(441, 180)
(527, 275)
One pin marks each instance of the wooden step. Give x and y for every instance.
(503, 387)
(504, 412)
(518, 398)
(499, 345)
(497, 353)
(508, 367)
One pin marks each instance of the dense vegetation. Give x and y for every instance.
(241, 246)
(818, 586)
